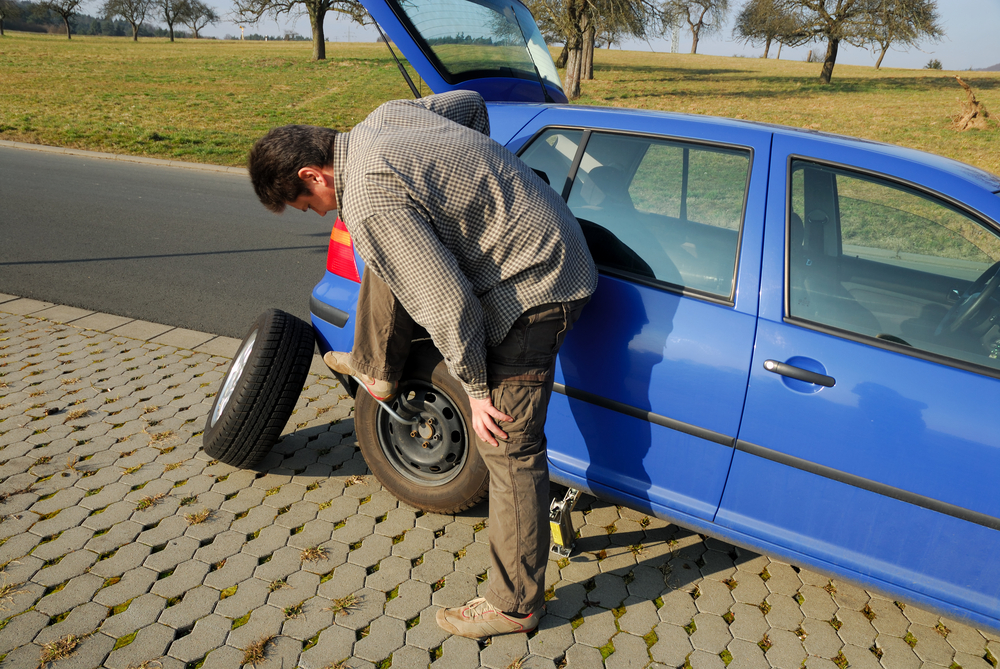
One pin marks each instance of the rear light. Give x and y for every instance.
(340, 257)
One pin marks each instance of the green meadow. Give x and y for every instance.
(208, 100)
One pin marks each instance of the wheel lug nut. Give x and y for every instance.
(427, 444)
(413, 434)
(430, 421)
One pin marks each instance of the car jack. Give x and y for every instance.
(561, 523)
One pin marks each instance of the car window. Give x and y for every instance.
(883, 260)
(662, 210)
(551, 155)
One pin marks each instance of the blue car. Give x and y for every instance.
(794, 345)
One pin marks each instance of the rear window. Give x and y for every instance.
(470, 39)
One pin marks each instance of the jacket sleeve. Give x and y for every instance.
(465, 107)
(401, 248)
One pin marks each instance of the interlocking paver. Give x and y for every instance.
(243, 567)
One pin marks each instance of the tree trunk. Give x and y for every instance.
(171, 28)
(69, 33)
(694, 38)
(135, 32)
(780, 44)
(878, 64)
(573, 66)
(831, 60)
(587, 68)
(1, 27)
(316, 17)
(767, 47)
(563, 55)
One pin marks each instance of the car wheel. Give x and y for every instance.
(260, 389)
(434, 465)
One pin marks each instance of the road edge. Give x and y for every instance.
(121, 157)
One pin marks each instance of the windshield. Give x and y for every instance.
(470, 39)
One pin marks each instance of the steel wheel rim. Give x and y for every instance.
(233, 376)
(445, 457)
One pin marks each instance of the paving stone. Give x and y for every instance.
(456, 652)
(712, 633)
(369, 608)
(678, 608)
(785, 612)
(436, 565)
(850, 596)
(426, 634)
(580, 655)
(21, 630)
(82, 620)
(249, 595)
(392, 571)
(700, 659)
(961, 637)
(747, 655)
(931, 646)
(184, 577)
(77, 591)
(142, 611)
(415, 543)
(384, 636)
(315, 617)
(334, 644)
(459, 588)
(714, 597)
(195, 604)
(150, 643)
(630, 653)
(896, 653)
(856, 629)
(552, 638)
(609, 592)
(174, 553)
(568, 600)
(411, 598)
(640, 616)
(208, 633)
(860, 658)
(264, 621)
(817, 603)
(68, 566)
(504, 650)
(347, 578)
(821, 639)
(598, 626)
(91, 652)
(786, 649)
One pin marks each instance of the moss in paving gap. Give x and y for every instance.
(835, 623)
(988, 656)
(436, 653)
(327, 576)
(799, 599)
(607, 649)
(56, 619)
(841, 661)
(942, 630)
(765, 575)
(392, 594)
(229, 592)
(765, 608)
(658, 603)
(385, 664)
(108, 582)
(691, 627)
(412, 622)
(174, 601)
(876, 651)
(868, 613)
(576, 620)
(650, 638)
(910, 639)
(309, 643)
(729, 617)
(123, 641)
(726, 656)
(363, 632)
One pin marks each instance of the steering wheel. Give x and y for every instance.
(971, 301)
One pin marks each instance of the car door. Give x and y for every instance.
(651, 381)
(871, 436)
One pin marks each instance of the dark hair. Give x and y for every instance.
(277, 157)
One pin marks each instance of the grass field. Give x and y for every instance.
(208, 100)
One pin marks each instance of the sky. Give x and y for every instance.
(970, 41)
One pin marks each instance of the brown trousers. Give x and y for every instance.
(520, 372)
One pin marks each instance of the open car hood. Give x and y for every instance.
(492, 47)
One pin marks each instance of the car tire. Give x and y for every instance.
(260, 389)
(447, 476)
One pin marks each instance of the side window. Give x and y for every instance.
(882, 260)
(551, 155)
(663, 210)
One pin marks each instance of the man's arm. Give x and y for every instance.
(402, 249)
(465, 107)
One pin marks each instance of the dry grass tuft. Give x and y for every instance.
(345, 604)
(198, 516)
(313, 554)
(356, 479)
(8, 591)
(60, 648)
(256, 651)
(78, 413)
(161, 436)
(149, 501)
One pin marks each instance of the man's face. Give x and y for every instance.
(320, 195)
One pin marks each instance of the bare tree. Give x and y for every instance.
(763, 21)
(904, 22)
(702, 16)
(197, 15)
(132, 11)
(579, 24)
(254, 10)
(8, 10)
(172, 12)
(64, 8)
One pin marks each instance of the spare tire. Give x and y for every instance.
(260, 389)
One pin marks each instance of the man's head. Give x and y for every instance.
(293, 165)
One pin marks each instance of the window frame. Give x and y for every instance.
(588, 131)
(916, 189)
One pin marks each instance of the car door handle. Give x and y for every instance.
(799, 373)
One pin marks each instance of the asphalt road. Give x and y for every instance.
(188, 248)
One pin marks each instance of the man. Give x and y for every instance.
(460, 237)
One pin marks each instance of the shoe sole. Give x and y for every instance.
(444, 624)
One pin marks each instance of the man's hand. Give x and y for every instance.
(483, 413)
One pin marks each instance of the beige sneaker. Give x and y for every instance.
(479, 619)
(340, 361)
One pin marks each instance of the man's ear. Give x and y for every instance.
(312, 175)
